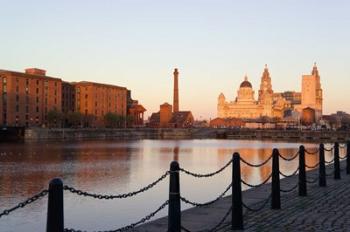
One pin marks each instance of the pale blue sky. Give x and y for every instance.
(214, 43)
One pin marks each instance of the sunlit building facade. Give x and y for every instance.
(27, 97)
(270, 104)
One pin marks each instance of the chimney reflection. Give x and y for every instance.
(176, 153)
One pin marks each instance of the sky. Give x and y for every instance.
(213, 43)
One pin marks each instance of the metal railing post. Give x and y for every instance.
(55, 219)
(174, 209)
(322, 182)
(302, 172)
(348, 157)
(237, 208)
(336, 162)
(275, 186)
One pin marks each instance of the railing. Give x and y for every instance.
(55, 217)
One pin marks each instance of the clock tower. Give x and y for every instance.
(266, 94)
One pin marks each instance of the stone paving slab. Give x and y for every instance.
(324, 209)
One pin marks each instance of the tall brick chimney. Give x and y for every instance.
(176, 91)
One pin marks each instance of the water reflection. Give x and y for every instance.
(123, 166)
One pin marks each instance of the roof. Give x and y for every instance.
(138, 108)
(23, 74)
(246, 83)
(155, 118)
(86, 83)
(180, 117)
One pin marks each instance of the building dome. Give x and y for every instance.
(246, 83)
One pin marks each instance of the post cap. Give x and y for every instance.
(56, 182)
(174, 166)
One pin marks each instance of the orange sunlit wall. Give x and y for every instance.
(94, 99)
(27, 97)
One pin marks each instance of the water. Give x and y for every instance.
(112, 167)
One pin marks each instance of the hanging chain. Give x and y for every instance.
(293, 174)
(290, 159)
(312, 167)
(208, 203)
(206, 175)
(25, 203)
(258, 185)
(312, 152)
(131, 226)
(329, 162)
(259, 208)
(119, 196)
(256, 165)
(330, 149)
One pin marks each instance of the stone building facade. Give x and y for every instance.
(312, 93)
(270, 104)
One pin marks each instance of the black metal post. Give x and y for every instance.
(336, 162)
(237, 208)
(322, 182)
(55, 219)
(302, 172)
(276, 194)
(174, 209)
(348, 158)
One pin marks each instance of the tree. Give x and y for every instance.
(129, 120)
(88, 120)
(74, 119)
(54, 118)
(111, 120)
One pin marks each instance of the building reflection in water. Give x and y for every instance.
(176, 153)
(123, 166)
(83, 164)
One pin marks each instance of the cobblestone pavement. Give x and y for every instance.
(323, 209)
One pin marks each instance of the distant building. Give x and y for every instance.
(169, 117)
(68, 97)
(94, 100)
(165, 118)
(291, 96)
(270, 104)
(227, 123)
(201, 123)
(308, 116)
(27, 97)
(246, 107)
(339, 120)
(311, 94)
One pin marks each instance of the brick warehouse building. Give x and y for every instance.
(95, 100)
(26, 99)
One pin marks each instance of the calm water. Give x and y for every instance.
(113, 167)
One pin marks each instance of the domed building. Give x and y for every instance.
(244, 106)
(271, 104)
